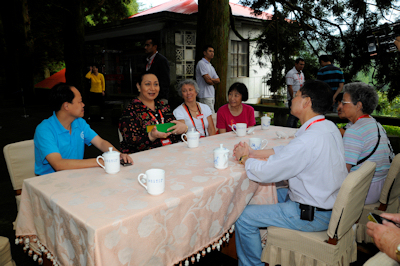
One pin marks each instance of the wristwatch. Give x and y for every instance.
(398, 253)
(241, 158)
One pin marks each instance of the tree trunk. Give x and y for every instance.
(213, 28)
(74, 38)
(19, 46)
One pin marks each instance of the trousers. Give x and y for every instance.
(284, 214)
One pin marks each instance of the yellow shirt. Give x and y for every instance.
(98, 84)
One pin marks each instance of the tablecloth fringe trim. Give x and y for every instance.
(216, 245)
(36, 253)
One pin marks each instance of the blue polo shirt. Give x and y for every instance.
(51, 137)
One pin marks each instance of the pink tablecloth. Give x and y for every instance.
(88, 217)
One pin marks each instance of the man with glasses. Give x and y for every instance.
(314, 165)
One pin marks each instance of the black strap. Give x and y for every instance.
(376, 147)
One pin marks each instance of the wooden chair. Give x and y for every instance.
(20, 159)
(388, 201)
(336, 246)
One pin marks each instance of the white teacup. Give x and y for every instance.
(111, 161)
(257, 143)
(265, 122)
(192, 138)
(155, 181)
(241, 129)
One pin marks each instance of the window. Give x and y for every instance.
(240, 59)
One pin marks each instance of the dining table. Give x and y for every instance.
(89, 217)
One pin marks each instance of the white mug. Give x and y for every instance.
(265, 122)
(111, 161)
(155, 181)
(257, 143)
(241, 129)
(192, 138)
(221, 157)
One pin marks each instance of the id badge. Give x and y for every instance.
(165, 142)
(201, 116)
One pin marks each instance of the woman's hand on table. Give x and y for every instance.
(125, 158)
(155, 134)
(250, 151)
(179, 127)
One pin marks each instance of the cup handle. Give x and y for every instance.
(233, 130)
(183, 139)
(140, 182)
(265, 145)
(97, 160)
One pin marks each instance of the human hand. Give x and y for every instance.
(104, 93)
(241, 149)
(90, 68)
(386, 237)
(397, 42)
(155, 134)
(126, 158)
(179, 127)
(395, 217)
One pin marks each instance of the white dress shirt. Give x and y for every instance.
(313, 163)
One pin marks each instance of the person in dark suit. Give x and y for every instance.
(158, 65)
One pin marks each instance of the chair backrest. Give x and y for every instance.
(350, 200)
(391, 188)
(20, 159)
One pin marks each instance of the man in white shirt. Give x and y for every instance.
(294, 81)
(206, 78)
(314, 165)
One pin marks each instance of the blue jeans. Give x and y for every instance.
(285, 213)
(292, 120)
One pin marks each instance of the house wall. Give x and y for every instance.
(254, 82)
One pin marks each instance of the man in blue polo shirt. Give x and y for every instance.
(331, 74)
(60, 140)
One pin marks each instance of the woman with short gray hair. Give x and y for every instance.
(366, 139)
(194, 114)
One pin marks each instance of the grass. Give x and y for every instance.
(390, 130)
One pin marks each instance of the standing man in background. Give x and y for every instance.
(294, 82)
(206, 78)
(332, 75)
(158, 65)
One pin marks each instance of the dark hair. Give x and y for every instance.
(154, 41)
(320, 94)
(60, 94)
(325, 58)
(205, 47)
(140, 78)
(241, 88)
(364, 93)
(96, 65)
(298, 60)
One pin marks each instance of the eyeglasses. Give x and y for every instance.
(343, 102)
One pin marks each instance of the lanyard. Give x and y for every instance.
(363, 116)
(148, 65)
(191, 118)
(316, 121)
(153, 117)
(300, 79)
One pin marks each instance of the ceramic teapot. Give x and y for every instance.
(221, 156)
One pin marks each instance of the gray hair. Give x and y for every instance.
(364, 93)
(187, 82)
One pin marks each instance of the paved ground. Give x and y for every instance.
(19, 123)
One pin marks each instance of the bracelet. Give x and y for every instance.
(187, 128)
(242, 158)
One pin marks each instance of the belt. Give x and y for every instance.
(317, 208)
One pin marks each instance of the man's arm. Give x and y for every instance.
(59, 164)
(290, 90)
(339, 90)
(104, 145)
(208, 79)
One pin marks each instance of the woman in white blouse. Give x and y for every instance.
(194, 114)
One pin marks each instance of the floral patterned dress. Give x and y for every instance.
(135, 118)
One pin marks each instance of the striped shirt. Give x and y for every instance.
(360, 140)
(332, 75)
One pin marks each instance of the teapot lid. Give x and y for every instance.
(110, 151)
(221, 148)
(192, 131)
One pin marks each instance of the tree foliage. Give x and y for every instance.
(338, 28)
